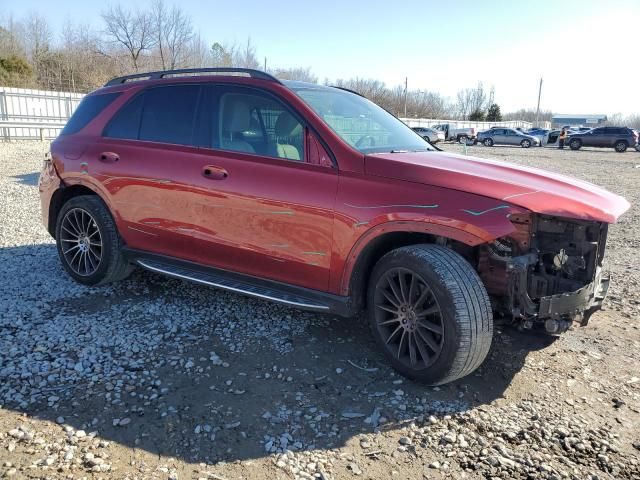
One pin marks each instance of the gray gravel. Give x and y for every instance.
(155, 378)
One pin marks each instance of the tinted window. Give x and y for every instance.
(89, 107)
(168, 114)
(126, 122)
(161, 114)
(251, 122)
(597, 131)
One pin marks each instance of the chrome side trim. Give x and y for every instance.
(232, 289)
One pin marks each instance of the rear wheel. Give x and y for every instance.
(488, 142)
(430, 313)
(525, 143)
(575, 144)
(88, 242)
(621, 146)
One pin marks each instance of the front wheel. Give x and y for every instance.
(575, 144)
(88, 242)
(430, 313)
(525, 143)
(488, 142)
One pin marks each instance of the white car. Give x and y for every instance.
(429, 134)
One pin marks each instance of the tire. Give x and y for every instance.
(462, 139)
(102, 264)
(488, 142)
(575, 144)
(525, 143)
(621, 146)
(462, 327)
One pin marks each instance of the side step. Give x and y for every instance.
(251, 286)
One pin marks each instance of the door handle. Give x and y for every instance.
(214, 173)
(109, 157)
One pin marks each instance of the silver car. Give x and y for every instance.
(507, 136)
(430, 134)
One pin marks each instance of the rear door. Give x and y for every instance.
(149, 162)
(512, 137)
(498, 136)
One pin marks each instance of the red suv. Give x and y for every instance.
(315, 197)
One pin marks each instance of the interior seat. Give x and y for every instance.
(288, 132)
(236, 118)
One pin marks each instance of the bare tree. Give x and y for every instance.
(470, 100)
(173, 32)
(37, 35)
(198, 54)
(301, 74)
(132, 30)
(247, 56)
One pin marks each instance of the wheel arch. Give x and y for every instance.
(62, 195)
(380, 240)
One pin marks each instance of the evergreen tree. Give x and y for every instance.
(477, 116)
(494, 115)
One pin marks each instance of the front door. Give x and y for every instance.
(270, 206)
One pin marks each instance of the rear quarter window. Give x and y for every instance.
(89, 108)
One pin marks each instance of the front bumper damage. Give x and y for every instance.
(548, 272)
(560, 310)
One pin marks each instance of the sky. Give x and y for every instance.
(587, 52)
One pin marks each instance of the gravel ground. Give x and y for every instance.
(155, 378)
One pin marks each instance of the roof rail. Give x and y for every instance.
(191, 71)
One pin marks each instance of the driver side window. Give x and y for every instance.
(250, 122)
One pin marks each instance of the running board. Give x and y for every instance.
(291, 295)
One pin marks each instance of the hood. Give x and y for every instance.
(531, 188)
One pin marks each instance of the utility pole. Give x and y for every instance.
(265, 63)
(538, 109)
(406, 83)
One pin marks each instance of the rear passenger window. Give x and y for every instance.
(168, 114)
(88, 109)
(161, 114)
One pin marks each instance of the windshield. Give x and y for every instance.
(359, 122)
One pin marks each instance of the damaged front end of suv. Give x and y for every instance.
(548, 272)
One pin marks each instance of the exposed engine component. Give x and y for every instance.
(547, 272)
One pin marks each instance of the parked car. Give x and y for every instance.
(314, 197)
(507, 136)
(619, 138)
(539, 133)
(430, 134)
(452, 133)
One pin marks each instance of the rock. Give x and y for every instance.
(404, 441)
(450, 437)
(435, 465)
(60, 420)
(354, 468)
